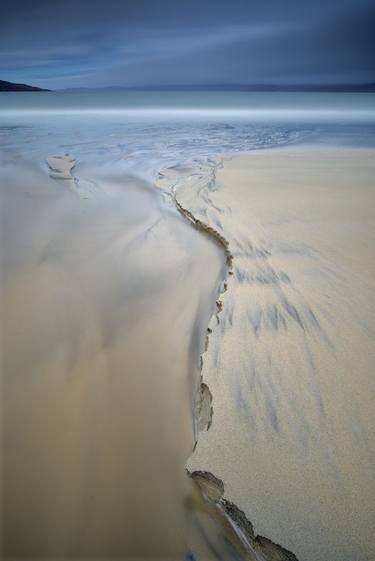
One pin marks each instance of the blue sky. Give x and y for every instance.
(89, 43)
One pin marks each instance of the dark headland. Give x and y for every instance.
(11, 87)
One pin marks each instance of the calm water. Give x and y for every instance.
(143, 131)
(259, 105)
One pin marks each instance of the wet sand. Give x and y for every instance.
(104, 310)
(287, 451)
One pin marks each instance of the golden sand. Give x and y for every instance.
(290, 358)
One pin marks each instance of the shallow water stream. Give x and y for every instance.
(106, 296)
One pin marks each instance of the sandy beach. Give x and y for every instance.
(110, 297)
(285, 411)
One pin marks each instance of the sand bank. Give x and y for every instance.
(61, 166)
(285, 415)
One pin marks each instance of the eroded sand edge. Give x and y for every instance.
(283, 408)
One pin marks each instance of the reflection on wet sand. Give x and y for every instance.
(104, 309)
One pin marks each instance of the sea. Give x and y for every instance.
(142, 132)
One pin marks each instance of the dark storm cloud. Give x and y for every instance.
(87, 43)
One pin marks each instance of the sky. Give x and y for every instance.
(91, 43)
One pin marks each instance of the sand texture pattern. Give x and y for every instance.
(285, 416)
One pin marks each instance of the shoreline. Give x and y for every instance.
(189, 185)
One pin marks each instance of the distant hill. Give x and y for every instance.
(11, 87)
(365, 87)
